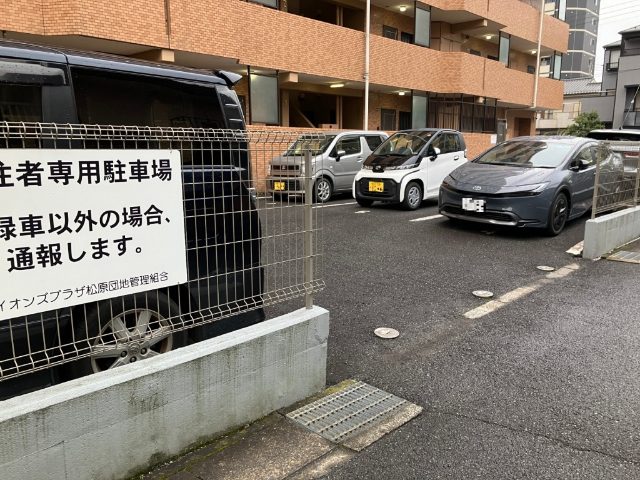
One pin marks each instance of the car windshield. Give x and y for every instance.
(404, 143)
(316, 145)
(531, 154)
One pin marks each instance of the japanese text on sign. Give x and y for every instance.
(71, 217)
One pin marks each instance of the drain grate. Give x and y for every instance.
(623, 256)
(344, 414)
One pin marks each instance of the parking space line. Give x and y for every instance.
(576, 249)
(335, 205)
(520, 292)
(425, 218)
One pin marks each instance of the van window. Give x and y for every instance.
(373, 141)
(112, 98)
(20, 103)
(350, 145)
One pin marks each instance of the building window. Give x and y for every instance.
(531, 69)
(404, 121)
(268, 3)
(505, 42)
(418, 109)
(390, 32)
(387, 120)
(593, 41)
(492, 57)
(557, 66)
(263, 99)
(461, 112)
(406, 37)
(475, 52)
(422, 25)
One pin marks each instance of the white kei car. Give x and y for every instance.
(409, 167)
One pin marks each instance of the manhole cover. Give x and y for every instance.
(344, 414)
(483, 293)
(545, 268)
(384, 332)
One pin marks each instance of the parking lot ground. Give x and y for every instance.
(544, 387)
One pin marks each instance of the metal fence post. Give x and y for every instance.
(635, 192)
(596, 183)
(308, 234)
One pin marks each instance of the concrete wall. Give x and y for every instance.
(606, 233)
(117, 423)
(603, 105)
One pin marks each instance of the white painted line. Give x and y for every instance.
(520, 292)
(335, 205)
(425, 218)
(272, 203)
(363, 211)
(576, 249)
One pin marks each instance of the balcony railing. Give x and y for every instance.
(612, 66)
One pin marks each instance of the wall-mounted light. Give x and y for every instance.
(403, 8)
(488, 37)
(401, 93)
(337, 85)
(533, 52)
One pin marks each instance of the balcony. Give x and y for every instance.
(612, 66)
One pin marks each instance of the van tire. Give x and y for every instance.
(412, 196)
(95, 329)
(322, 190)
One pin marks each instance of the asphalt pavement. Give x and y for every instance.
(542, 384)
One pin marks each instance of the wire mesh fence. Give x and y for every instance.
(617, 183)
(122, 243)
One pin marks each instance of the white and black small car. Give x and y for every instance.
(409, 167)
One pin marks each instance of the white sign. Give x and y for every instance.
(494, 138)
(79, 226)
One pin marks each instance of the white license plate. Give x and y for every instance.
(472, 205)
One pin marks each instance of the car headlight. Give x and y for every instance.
(401, 167)
(367, 167)
(449, 182)
(523, 190)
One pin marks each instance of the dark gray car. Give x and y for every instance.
(529, 182)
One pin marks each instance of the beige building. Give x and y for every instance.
(552, 122)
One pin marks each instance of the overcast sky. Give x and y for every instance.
(615, 15)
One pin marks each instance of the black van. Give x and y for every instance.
(223, 231)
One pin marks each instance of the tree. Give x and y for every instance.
(583, 124)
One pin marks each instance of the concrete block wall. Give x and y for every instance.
(120, 422)
(608, 232)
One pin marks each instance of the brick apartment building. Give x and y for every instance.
(466, 64)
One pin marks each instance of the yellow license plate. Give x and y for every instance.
(278, 185)
(376, 186)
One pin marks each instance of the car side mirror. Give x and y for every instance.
(432, 153)
(583, 164)
(339, 154)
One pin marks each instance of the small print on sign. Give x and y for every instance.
(81, 226)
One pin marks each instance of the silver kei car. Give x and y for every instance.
(336, 158)
(539, 182)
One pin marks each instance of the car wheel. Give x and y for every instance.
(412, 196)
(363, 202)
(558, 214)
(125, 330)
(322, 190)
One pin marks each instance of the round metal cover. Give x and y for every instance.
(545, 268)
(483, 293)
(385, 332)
